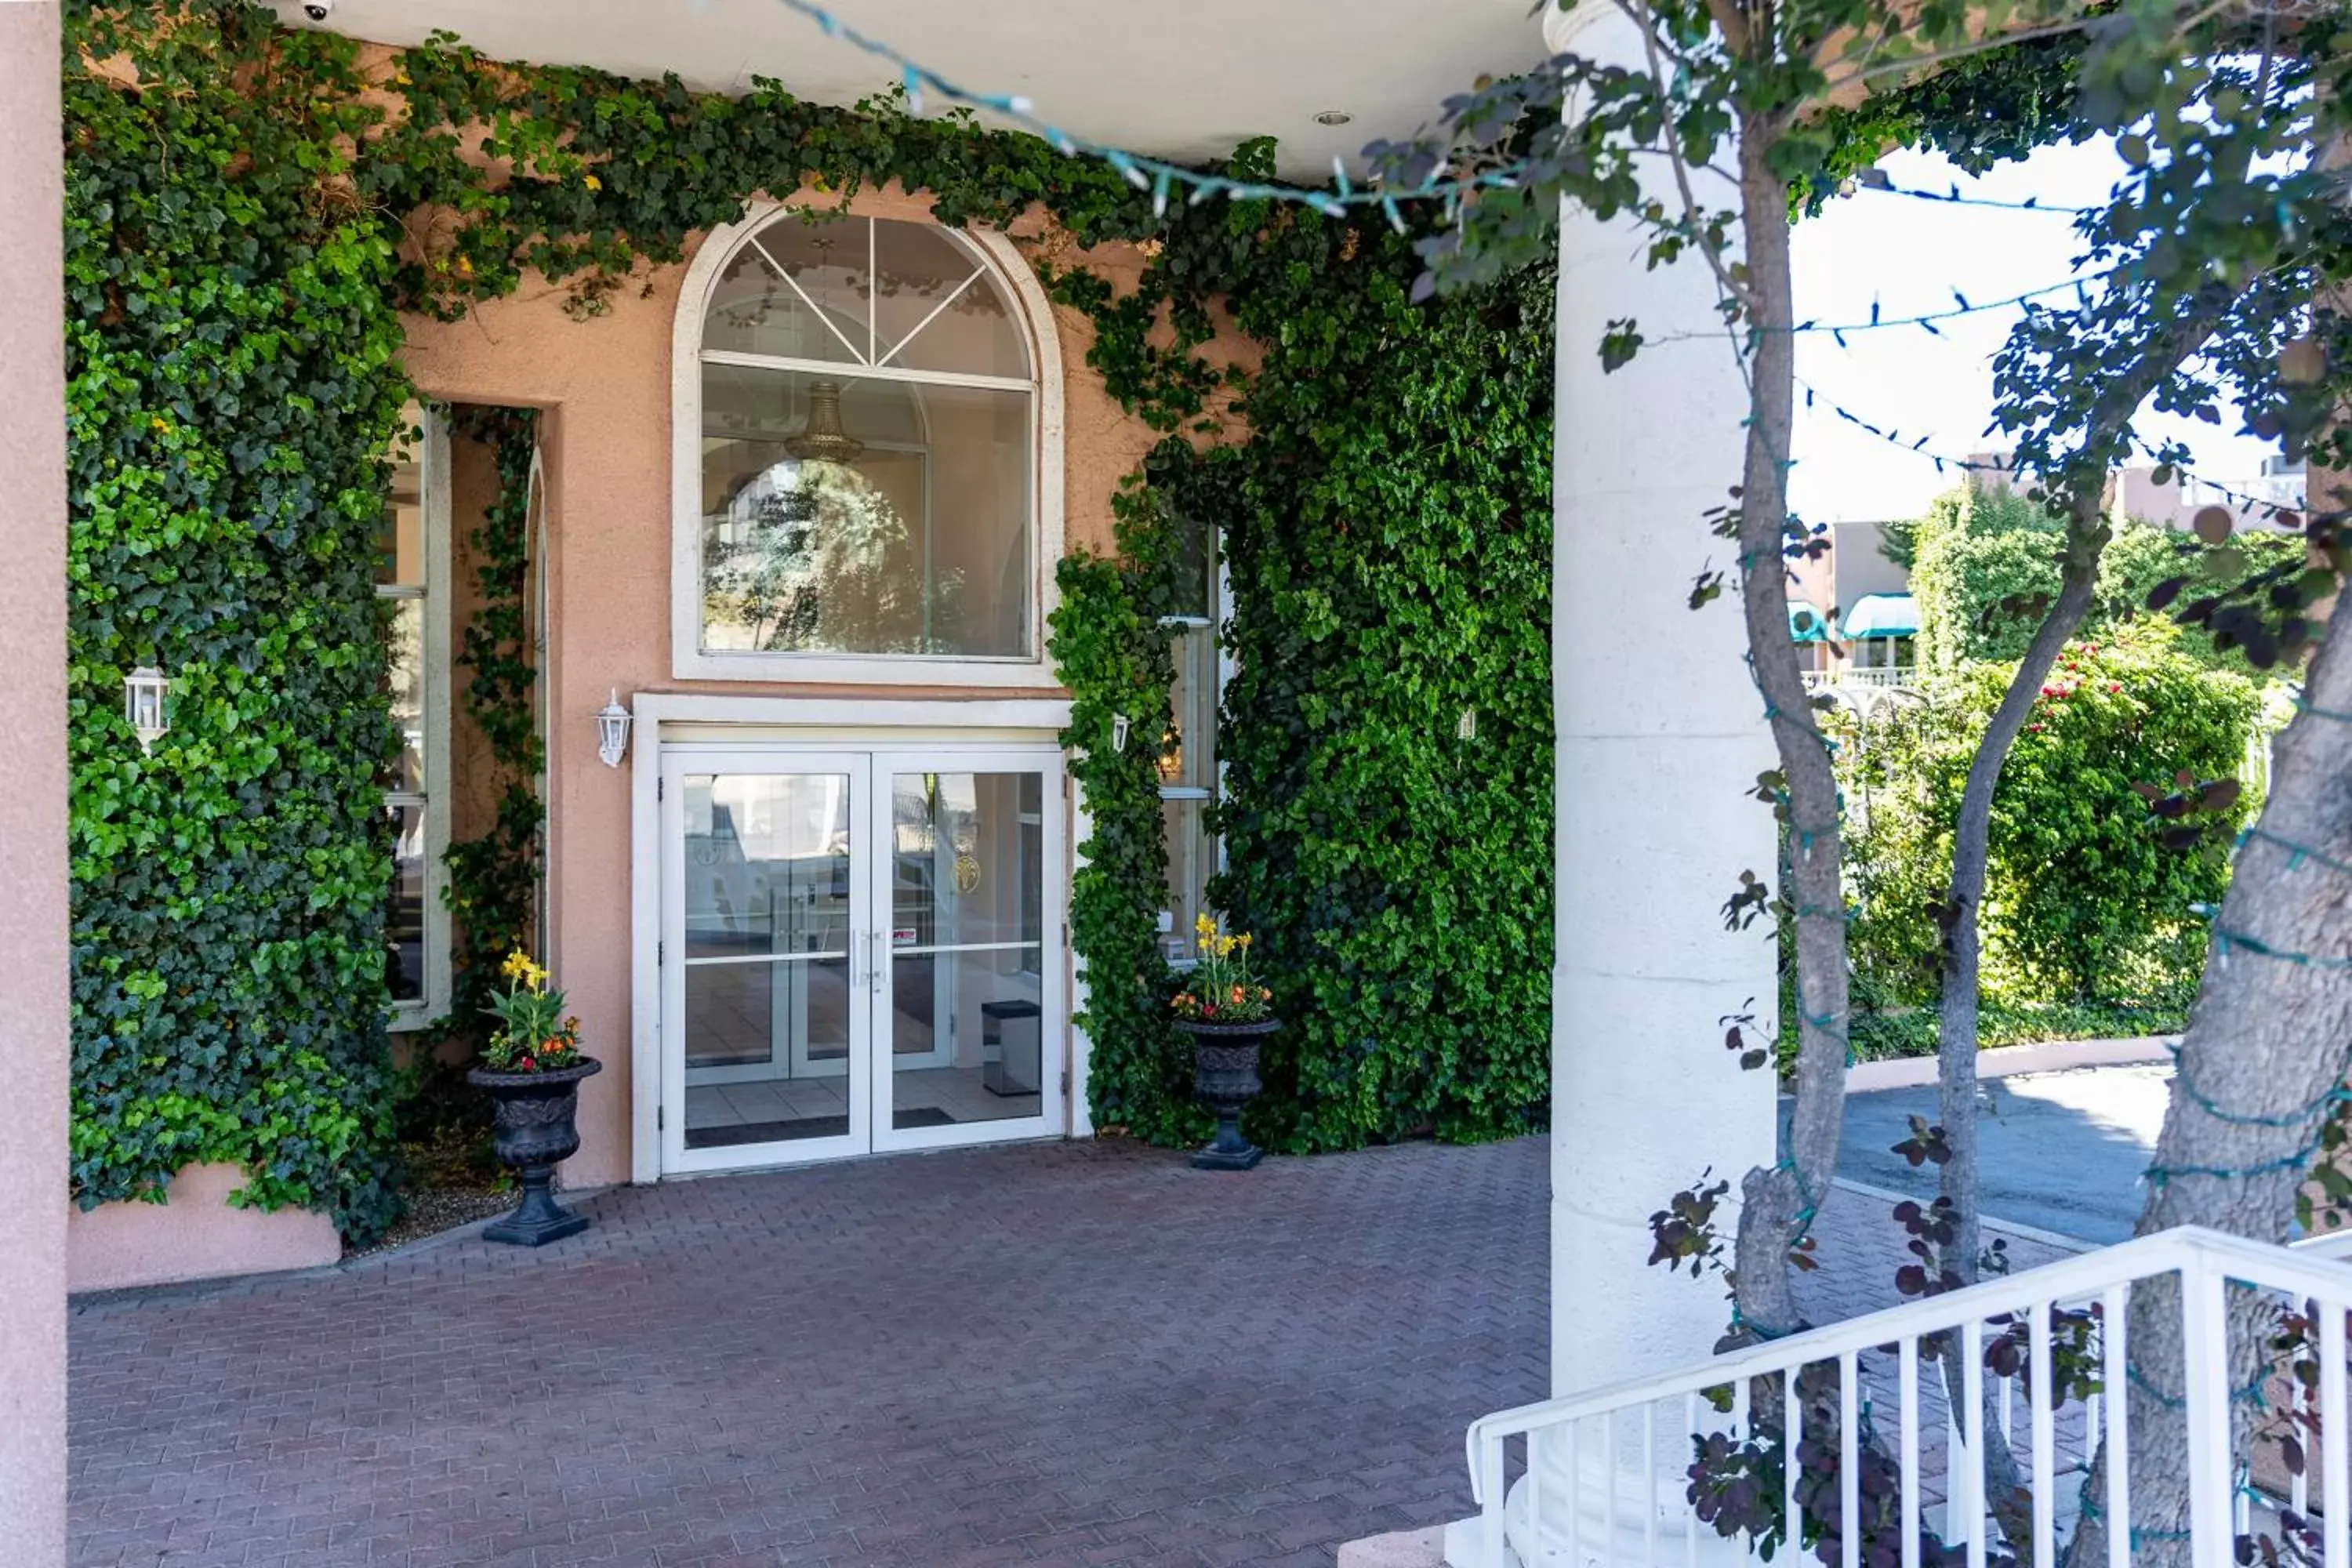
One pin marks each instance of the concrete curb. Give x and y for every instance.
(2052, 1056)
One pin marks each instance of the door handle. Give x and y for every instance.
(881, 956)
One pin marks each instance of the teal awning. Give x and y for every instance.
(1807, 623)
(1883, 616)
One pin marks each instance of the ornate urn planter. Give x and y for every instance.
(534, 1129)
(1225, 1075)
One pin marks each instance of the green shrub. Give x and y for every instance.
(2082, 904)
(1987, 565)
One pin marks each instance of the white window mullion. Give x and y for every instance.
(821, 313)
(433, 680)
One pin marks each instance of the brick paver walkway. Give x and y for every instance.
(1072, 1354)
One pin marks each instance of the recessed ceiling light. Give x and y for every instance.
(1333, 117)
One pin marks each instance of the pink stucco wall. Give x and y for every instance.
(605, 385)
(33, 916)
(196, 1236)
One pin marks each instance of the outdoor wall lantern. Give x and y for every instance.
(1118, 731)
(612, 731)
(144, 693)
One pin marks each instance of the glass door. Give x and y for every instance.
(767, 957)
(861, 950)
(968, 1013)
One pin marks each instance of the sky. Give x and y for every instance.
(1909, 256)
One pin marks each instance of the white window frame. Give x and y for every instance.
(1176, 946)
(689, 660)
(432, 497)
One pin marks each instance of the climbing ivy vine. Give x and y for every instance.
(250, 208)
(494, 876)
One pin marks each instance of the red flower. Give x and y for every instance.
(2115, 686)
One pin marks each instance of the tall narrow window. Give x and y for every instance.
(1188, 753)
(412, 577)
(866, 453)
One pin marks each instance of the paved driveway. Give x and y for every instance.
(2060, 1150)
(1066, 1353)
(1074, 1354)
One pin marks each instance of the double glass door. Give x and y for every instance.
(855, 951)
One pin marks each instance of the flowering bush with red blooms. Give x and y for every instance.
(1221, 989)
(534, 1034)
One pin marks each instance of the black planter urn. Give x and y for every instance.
(534, 1129)
(1225, 1075)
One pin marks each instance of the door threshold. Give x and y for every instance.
(817, 1161)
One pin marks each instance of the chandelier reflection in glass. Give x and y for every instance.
(810, 555)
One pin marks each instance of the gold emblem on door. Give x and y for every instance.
(966, 873)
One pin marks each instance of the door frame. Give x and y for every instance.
(678, 764)
(865, 722)
(953, 755)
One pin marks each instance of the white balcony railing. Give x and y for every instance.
(1868, 675)
(1605, 1473)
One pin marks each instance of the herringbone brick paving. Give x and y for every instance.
(1080, 1353)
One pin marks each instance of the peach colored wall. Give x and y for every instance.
(196, 1236)
(605, 384)
(33, 917)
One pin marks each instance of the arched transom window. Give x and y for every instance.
(868, 451)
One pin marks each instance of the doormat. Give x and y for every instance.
(804, 1127)
(768, 1132)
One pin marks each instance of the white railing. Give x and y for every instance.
(1605, 1473)
(1867, 675)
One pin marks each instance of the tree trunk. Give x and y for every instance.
(2266, 1049)
(1777, 1204)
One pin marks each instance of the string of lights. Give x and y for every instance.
(1161, 178)
(1870, 181)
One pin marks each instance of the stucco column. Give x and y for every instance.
(33, 921)
(1659, 734)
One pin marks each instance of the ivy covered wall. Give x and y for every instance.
(231, 356)
(236, 341)
(1387, 523)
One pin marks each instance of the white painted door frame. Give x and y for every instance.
(665, 719)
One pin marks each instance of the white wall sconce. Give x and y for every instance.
(612, 731)
(1119, 726)
(146, 694)
(1467, 727)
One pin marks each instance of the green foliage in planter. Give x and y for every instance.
(1987, 566)
(231, 348)
(2082, 904)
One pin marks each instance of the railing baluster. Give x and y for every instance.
(1650, 1491)
(2115, 1339)
(2205, 1345)
(1490, 1486)
(1972, 1429)
(1609, 1487)
(2045, 1422)
(1907, 1393)
(2006, 1419)
(2298, 1486)
(1850, 1459)
(1575, 1499)
(2334, 1449)
(1791, 1423)
(1690, 1507)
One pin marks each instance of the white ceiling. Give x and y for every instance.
(1181, 79)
